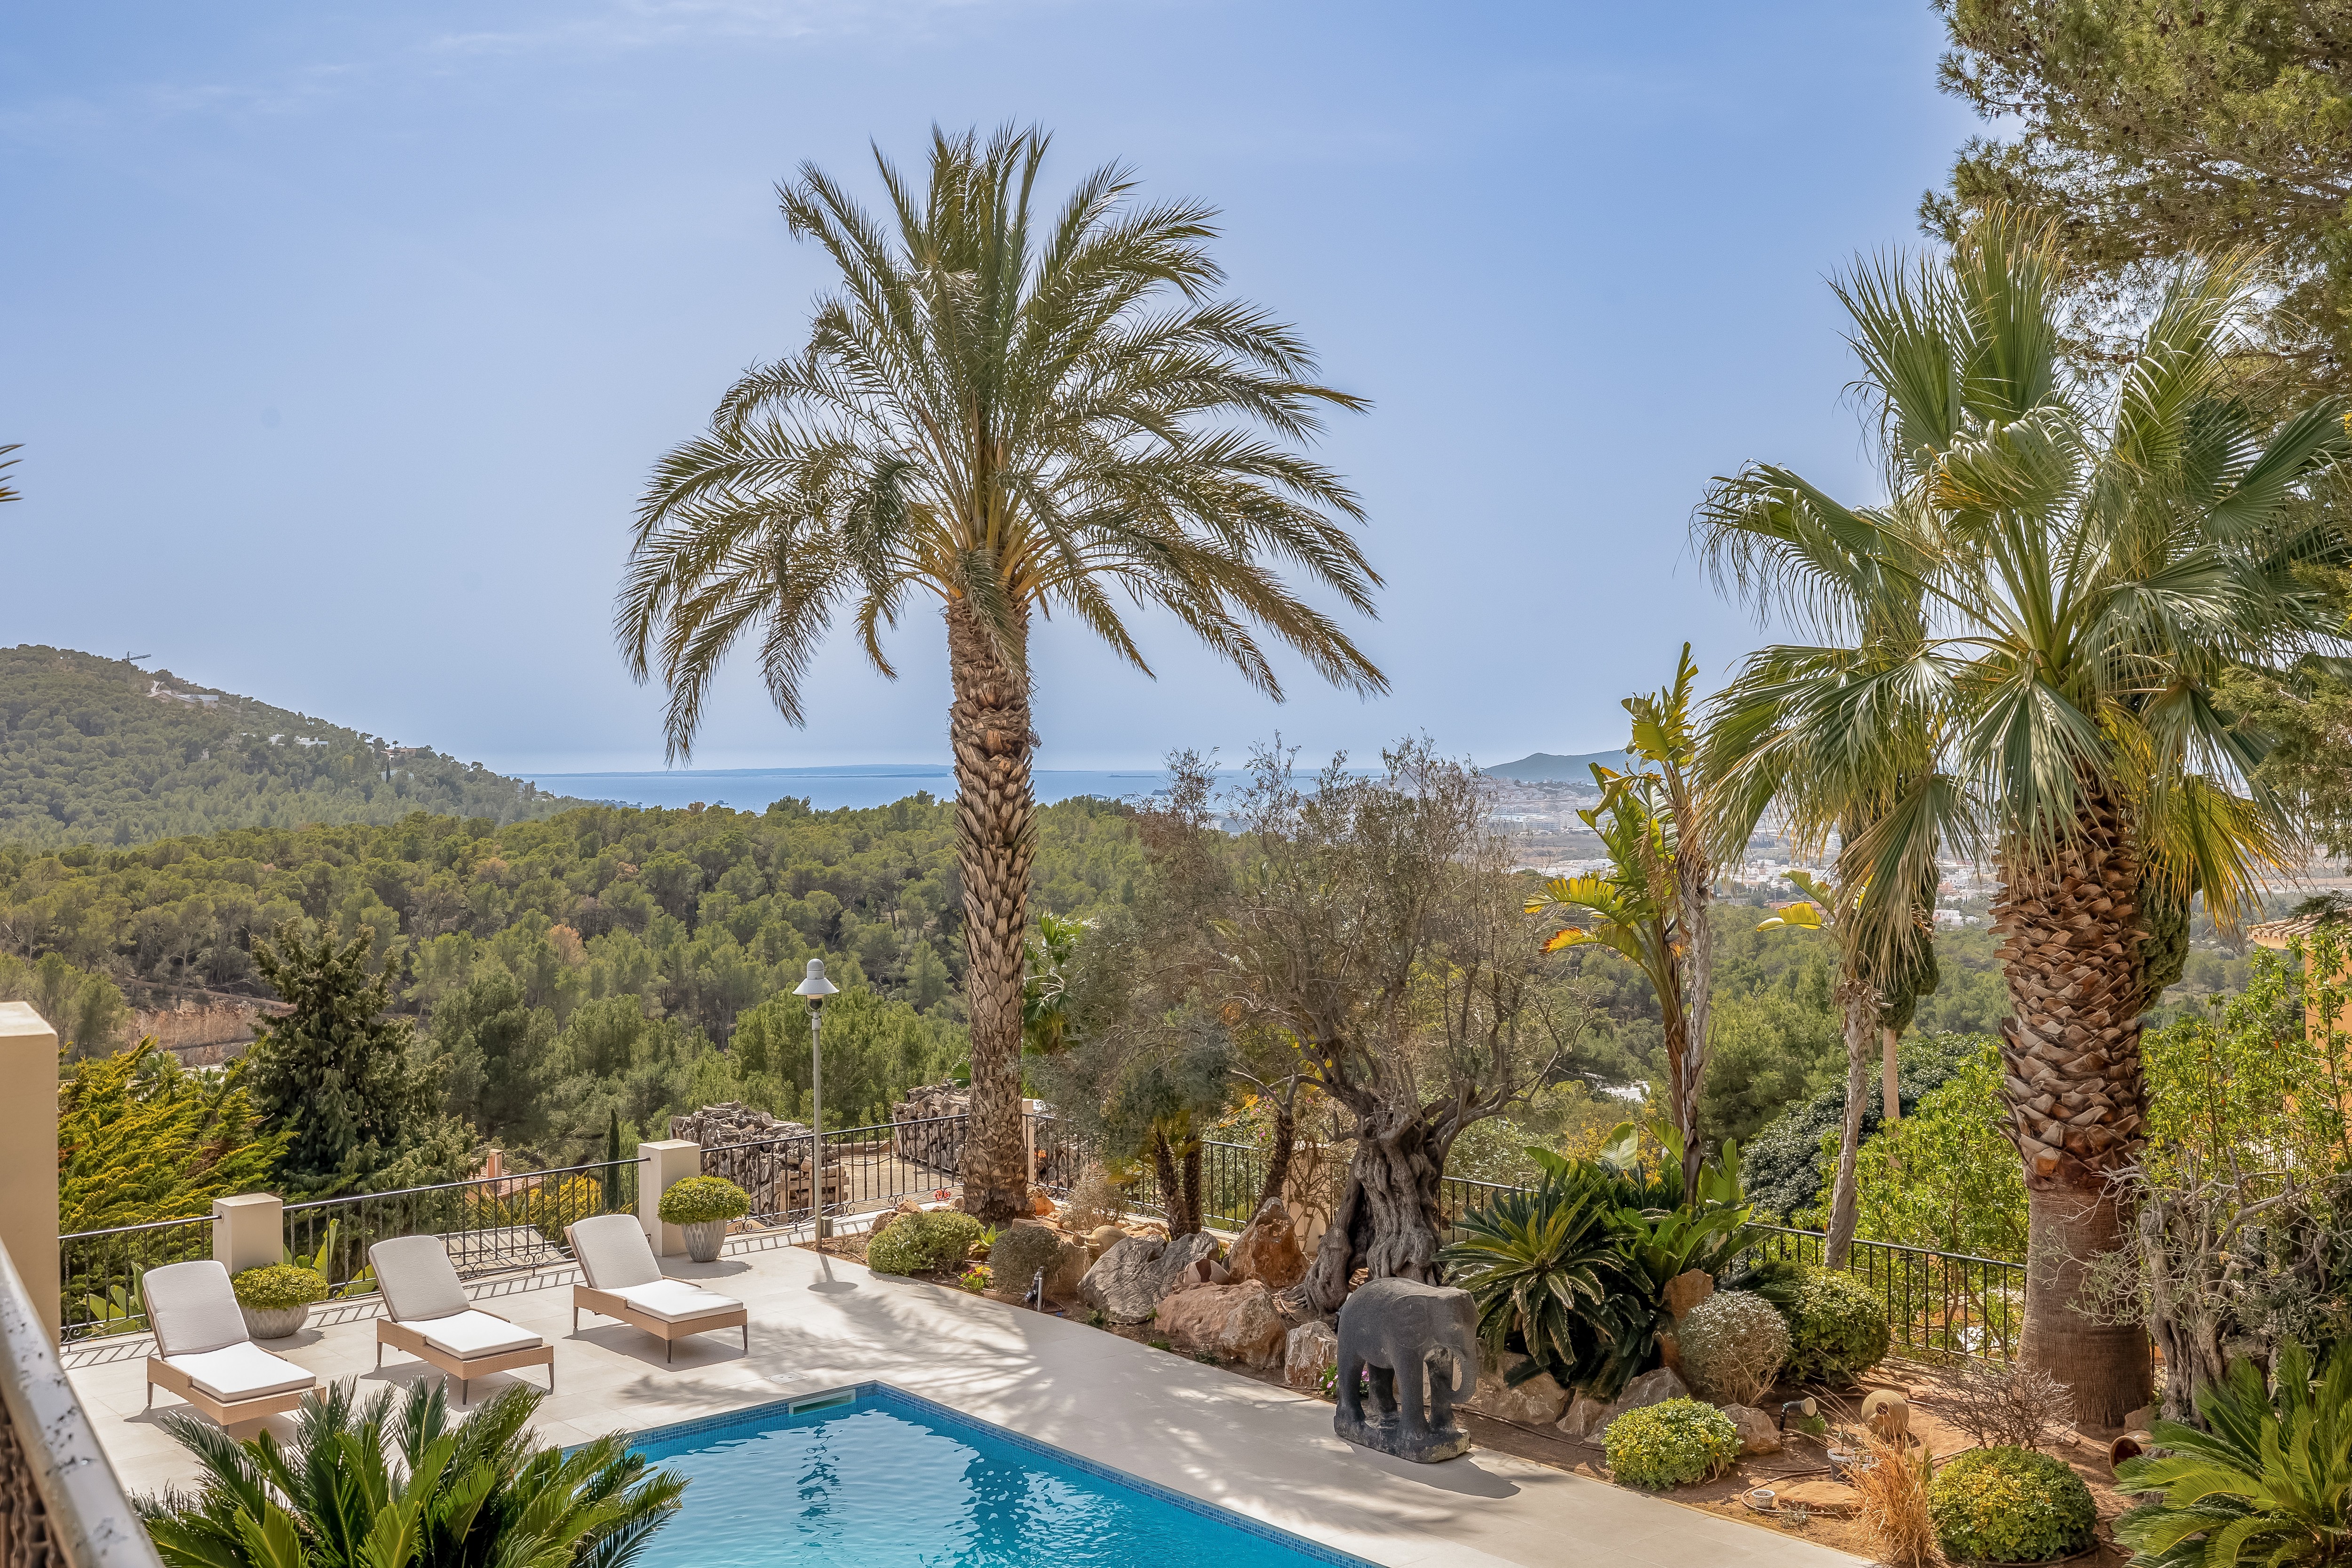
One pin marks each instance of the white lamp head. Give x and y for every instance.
(816, 987)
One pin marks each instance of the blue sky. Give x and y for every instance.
(340, 339)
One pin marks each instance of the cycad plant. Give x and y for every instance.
(1544, 1266)
(1013, 415)
(2087, 559)
(2267, 1480)
(391, 1483)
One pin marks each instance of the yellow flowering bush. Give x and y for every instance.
(1671, 1444)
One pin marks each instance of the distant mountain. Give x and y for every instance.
(1543, 768)
(99, 751)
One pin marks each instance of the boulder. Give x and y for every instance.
(1650, 1388)
(1582, 1420)
(1758, 1434)
(1537, 1402)
(1129, 1280)
(882, 1222)
(1687, 1290)
(1070, 1266)
(1103, 1238)
(1311, 1352)
(1040, 1205)
(1232, 1322)
(1268, 1248)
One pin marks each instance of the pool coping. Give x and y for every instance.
(850, 1393)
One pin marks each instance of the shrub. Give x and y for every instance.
(1671, 1444)
(2007, 1406)
(1020, 1253)
(1836, 1327)
(2009, 1505)
(277, 1287)
(699, 1199)
(930, 1239)
(1094, 1201)
(1733, 1345)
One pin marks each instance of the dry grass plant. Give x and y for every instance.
(1094, 1200)
(1892, 1489)
(2001, 1405)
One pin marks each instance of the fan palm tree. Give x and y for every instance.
(396, 1486)
(1016, 417)
(2086, 561)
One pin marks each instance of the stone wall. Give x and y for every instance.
(938, 1114)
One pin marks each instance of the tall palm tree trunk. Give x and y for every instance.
(1861, 1026)
(2071, 1074)
(987, 730)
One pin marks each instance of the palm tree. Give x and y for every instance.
(2087, 561)
(401, 1487)
(1018, 418)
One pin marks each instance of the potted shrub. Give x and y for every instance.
(276, 1299)
(702, 1207)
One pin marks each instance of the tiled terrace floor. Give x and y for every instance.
(819, 1323)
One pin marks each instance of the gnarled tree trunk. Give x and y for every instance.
(987, 730)
(1387, 1220)
(1277, 1160)
(2071, 1074)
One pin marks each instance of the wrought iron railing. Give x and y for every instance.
(1944, 1301)
(99, 1272)
(490, 1225)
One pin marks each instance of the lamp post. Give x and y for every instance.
(816, 987)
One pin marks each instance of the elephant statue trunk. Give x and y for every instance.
(1406, 1350)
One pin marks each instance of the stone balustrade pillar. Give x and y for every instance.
(248, 1230)
(28, 1156)
(662, 1165)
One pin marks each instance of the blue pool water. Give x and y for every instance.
(886, 1480)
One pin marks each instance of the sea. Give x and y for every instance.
(828, 788)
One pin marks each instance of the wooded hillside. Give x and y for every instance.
(99, 751)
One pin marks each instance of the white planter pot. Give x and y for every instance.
(273, 1322)
(703, 1239)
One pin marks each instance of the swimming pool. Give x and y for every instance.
(881, 1479)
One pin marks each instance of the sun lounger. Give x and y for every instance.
(428, 1315)
(204, 1353)
(625, 1281)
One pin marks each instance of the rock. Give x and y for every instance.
(1268, 1248)
(1686, 1290)
(1129, 1280)
(1583, 1418)
(1312, 1350)
(1886, 1412)
(1232, 1322)
(1758, 1434)
(1537, 1402)
(2141, 1419)
(882, 1222)
(1070, 1265)
(1040, 1205)
(1104, 1238)
(1650, 1388)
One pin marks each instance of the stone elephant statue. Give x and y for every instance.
(1393, 1330)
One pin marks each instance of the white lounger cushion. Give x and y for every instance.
(241, 1372)
(676, 1301)
(470, 1333)
(418, 1281)
(193, 1309)
(613, 1252)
